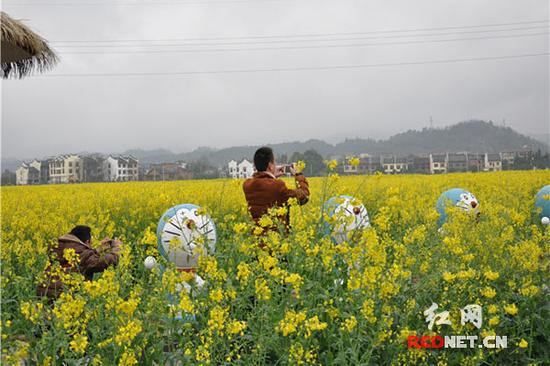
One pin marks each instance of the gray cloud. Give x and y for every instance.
(44, 115)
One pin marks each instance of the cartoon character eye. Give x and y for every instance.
(195, 212)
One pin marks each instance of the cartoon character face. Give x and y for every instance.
(348, 214)
(456, 197)
(183, 234)
(468, 202)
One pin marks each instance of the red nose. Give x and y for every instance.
(474, 204)
(356, 210)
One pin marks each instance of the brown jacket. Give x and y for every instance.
(90, 262)
(264, 191)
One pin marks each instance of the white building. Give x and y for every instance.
(120, 168)
(35, 172)
(232, 169)
(244, 169)
(28, 173)
(438, 163)
(492, 163)
(65, 169)
(394, 164)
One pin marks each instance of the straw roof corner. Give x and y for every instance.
(22, 50)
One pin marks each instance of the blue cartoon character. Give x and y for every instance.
(184, 233)
(456, 197)
(542, 202)
(345, 215)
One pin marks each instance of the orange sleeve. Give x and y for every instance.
(301, 192)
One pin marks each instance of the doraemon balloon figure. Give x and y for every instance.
(183, 235)
(456, 197)
(542, 201)
(182, 232)
(350, 215)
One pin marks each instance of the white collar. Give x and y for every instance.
(270, 174)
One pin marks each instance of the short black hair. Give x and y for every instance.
(262, 157)
(82, 232)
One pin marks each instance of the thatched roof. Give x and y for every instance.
(22, 50)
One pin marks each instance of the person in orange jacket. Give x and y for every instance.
(265, 190)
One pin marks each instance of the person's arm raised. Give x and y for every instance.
(91, 261)
(301, 192)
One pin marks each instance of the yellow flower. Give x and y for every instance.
(529, 290)
(79, 343)
(262, 289)
(494, 321)
(236, 326)
(367, 310)
(186, 304)
(296, 281)
(265, 221)
(354, 161)
(488, 292)
(240, 227)
(448, 277)
(290, 323)
(127, 359)
(332, 164)
(490, 275)
(203, 353)
(332, 312)
(299, 166)
(217, 319)
(511, 309)
(69, 312)
(216, 295)
(523, 343)
(243, 272)
(313, 324)
(128, 332)
(127, 307)
(296, 354)
(30, 311)
(70, 256)
(349, 324)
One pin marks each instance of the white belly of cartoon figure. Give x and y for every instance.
(184, 234)
(349, 216)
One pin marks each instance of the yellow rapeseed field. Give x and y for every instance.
(301, 299)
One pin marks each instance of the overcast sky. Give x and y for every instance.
(51, 114)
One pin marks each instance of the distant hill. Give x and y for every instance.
(465, 136)
(472, 136)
